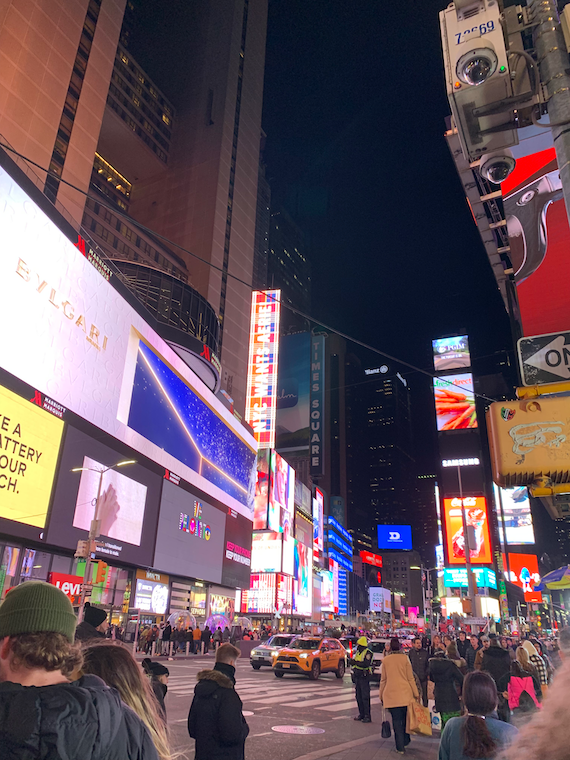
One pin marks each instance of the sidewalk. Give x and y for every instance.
(375, 748)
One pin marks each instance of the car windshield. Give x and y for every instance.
(279, 641)
(305, 644)
(377, 646)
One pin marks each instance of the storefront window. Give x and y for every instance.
(35, 565)
(61, 564)
(8, 568)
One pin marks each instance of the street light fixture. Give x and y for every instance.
(95, 526)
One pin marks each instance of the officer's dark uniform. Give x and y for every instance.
(362, 665)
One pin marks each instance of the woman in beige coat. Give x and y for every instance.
(398, 690)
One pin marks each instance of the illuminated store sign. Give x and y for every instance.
(261, 394)
(470, 462)
(371, 559)
(317, 454)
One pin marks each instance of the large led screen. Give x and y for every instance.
(451, 353)
(454, 402)
(29, 447)
(327, 591)
(191, 535)
(318, 522)
(525, 574)
(281, 496)
(261, 499)
(293, 391)
(302, 580)
(261, 594)
(395, 537)
(129, 503)
(82, 342)
(477, 520)
(517, 515)
(236, 565)
(266, 551)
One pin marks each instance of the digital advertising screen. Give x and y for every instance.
(261, 499)
(302, 580)
(266, 553)
(517, 515)
(191, 534)
(151, 592)
(371, 559)
(288, 561)
(129, 500)
(293, 391)
(454, 402)
(395, 537)
(236, 565)
(456, 577)
(327, 591)
(89, 349)
(303, 529)
(477, 519)
(525, 574)
(451, 353)
(281, 496)
(318, 522)
(30, 439)
(263, 363)
(261, 594)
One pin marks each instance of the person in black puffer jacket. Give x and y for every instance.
(42, 715)
(447, 679)
(215, 720)
(497, 663)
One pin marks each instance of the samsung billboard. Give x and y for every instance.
(395, 537)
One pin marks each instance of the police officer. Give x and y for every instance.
(362, 666)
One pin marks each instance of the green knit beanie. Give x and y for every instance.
(35, 607)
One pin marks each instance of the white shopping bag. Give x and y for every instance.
(435, 716)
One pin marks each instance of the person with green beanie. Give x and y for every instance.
(43, 714)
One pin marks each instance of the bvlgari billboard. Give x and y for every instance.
(81, 343)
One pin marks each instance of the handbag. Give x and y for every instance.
(418, 720)
(386, 732)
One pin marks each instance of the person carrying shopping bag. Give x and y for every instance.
(398, 690)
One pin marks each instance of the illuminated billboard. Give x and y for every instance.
(371, 559)
(456, 577)
(261, 594)
(302, 580)
(85, 346)
(327, 591)
(261, 499)
(318, 522)
(451, 353)
(317, 398)
(261, 394)
(293, 396)
(266, 553)
(477, 520)
(525, 574)
(454, 402)
(395, 537)
(29, 447)
(515, 508)
(281, 513)
(151, 592)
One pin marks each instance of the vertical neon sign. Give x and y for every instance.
(261, 398)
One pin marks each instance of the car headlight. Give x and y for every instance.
(304, 655)
(275, 653)
(256, 652)
(476, 66)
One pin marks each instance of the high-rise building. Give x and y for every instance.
(185, 165)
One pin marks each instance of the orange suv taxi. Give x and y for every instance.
(311, 656)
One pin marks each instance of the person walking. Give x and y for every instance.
(158, 675)
(539, 664)
(117, 667)
(398, 690)
(42, 714)
(94, 624)
(447, 680)
(215, 720)
(485, 644)
(362, 664)
(226, 635)
(497, 663)
(218, 635)
(197, 637)
(419, 658)
(477, 734)
(436, 644)
(206, 638)
(462, 644)
(166, 634)
(521, 690)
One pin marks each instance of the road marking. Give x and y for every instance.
(339, 707)
(337, 748)
(335, 699)
(265, 733)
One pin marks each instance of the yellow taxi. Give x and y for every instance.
(311, 656)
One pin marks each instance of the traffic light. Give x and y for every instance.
(101, 571)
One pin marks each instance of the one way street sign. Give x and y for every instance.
(545, 358)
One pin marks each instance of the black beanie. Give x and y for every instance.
(94, 615)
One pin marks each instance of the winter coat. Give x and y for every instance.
(446, 676)
(160, 690)
(206, 635)
(453, 739)
(215, 720)
(496, 662)
(519, 686)
(83, 720)
(166, 634)
(397, 684)
(469, 656)
(479, 657)
(86, 632)
(462, 647)
(419, 659)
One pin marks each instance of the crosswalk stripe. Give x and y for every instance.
(347, 706)
(324, 701)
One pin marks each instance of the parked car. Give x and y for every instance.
(311, 656)
(265, 652)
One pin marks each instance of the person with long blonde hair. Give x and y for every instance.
(116, 666)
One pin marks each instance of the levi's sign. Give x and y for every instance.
(545, 358)
(69, 584)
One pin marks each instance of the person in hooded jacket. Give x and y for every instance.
(497, 663)
(94, 624)
(521, 689)
(538, 663)
(216, 720)
(447, 679)
(42, 715)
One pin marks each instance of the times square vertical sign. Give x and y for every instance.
(261, 398)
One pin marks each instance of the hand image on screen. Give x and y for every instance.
(108, 509)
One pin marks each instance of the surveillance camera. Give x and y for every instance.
(496, 167)
(476, 66)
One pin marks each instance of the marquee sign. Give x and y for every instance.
(261, 396)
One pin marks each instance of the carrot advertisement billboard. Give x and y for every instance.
(477, 519)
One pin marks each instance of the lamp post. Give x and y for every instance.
(94, 528)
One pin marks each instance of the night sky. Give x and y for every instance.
(354, 110)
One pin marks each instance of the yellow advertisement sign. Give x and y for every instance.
(29, 446)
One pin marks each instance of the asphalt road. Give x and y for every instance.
(327, 704)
